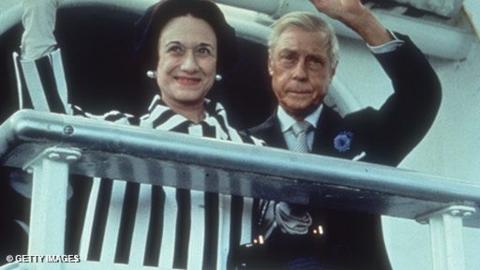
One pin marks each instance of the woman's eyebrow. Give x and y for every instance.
(176, 42)
(205, 44)
(173, 42)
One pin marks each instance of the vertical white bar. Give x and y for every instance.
(34, 85)
(59, 73)
(169, 229)
(224, 203)
(197, 229)
(196, 242)
(140, 229)
(112, 228)
(18, 79)
(246, 236)
(447, 242)
(89, 218)
(48, 210)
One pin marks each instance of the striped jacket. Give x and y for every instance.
(141, 224)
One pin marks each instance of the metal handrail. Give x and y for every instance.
(252, 170)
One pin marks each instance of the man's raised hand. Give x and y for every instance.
(343, 10)
(356, 16)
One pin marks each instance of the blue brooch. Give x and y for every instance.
(343, 141)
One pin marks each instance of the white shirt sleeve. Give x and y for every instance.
(387, 47)
(38, 20)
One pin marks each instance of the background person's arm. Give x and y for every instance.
(41, 80)
(38, 19)
(39, 69)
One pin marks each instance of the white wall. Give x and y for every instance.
(451, 148)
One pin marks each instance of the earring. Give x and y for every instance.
(218, 77)
(151, 74)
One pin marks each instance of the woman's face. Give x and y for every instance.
(186, 68)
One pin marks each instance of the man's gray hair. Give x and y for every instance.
(310, 23)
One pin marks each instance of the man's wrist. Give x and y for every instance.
(369, 28)
(389, 46)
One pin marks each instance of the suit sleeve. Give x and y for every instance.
(403, 120)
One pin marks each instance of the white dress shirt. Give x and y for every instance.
(287, 121)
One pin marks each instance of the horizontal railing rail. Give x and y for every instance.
(231, 168)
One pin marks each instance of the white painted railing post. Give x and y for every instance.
(49, 203)
(446, 233)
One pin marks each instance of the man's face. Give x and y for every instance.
(301, 71)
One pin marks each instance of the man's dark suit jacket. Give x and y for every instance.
(354, 240)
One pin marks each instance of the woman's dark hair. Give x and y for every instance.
(150, 26)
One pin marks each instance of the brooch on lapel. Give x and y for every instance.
(342, 141)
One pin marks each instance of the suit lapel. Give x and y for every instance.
(331, 127)
(327, 125)
(274, 133)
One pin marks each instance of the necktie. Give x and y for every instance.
(290, 218)
(300, 130)
(294, 219)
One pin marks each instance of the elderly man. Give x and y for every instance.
(302, 62)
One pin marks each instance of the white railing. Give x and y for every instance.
(52, 145)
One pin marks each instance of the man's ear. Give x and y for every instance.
(332, 72)
(270, 70)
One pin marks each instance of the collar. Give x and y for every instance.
(286, 121)
(211, 108)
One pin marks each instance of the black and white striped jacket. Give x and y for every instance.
(141, 224)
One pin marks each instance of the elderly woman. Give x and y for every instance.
(186, 43)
